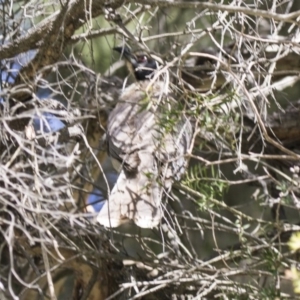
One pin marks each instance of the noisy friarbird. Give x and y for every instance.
(147, 140)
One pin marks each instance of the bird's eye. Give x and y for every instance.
(142, 58)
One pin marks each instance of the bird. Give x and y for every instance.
(147, 142)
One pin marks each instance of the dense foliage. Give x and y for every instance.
(233, 66)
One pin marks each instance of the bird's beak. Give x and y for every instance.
(126, 53)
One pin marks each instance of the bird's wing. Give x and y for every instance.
(171, 157)
(131, 134)
(136, 198)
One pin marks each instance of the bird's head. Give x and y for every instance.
(141, 65)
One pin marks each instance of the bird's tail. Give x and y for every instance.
(135, 197)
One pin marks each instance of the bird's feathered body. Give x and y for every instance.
(150, 155)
